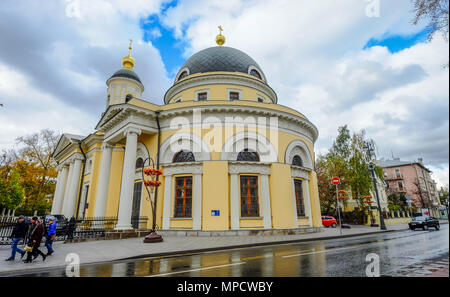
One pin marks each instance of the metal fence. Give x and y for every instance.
(76, 229)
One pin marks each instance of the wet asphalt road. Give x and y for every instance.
(331, 258)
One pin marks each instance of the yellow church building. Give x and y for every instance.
(231, 157)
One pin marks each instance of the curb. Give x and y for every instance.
(223, 248)
(196, 251)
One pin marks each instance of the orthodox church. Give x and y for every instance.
(231, 157)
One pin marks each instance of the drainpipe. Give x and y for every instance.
(157, 164)
(82, 178)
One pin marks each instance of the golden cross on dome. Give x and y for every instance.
(129, 48)
(220, 39)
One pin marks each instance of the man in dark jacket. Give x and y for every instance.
(18, 234)
(34, 240)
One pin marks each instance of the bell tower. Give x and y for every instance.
(124, 82)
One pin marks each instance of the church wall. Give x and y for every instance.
(281, 196)
(93, 181)
(220, 92)
(171, 106)
(315, 202)
(115, 177)
(119, 88)
(215, 196)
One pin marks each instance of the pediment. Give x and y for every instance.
(65, 141)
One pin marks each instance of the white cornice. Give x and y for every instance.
(120, 115)
(141, 86)
(248, 167)
(181, 168)
(302, 172)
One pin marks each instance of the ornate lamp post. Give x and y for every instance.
(150, 184)
(369, 146)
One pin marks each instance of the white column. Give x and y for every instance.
(129, 170)
(167, 202)
(71, 200)
(234, 202)
(294, 200)
(265, 199)
(197, 203)
(103, 182)
(67, 187)
(59, 191)
(307, 200)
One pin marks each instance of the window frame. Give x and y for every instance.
(299, 203)
(198, 92)
(185, 198)
(229, 91)
(248, 197)
(299, 157)
(402, 187)
(249, 152)
(175, 156)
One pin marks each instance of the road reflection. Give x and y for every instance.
(345, 257)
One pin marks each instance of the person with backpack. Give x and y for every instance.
(34, 240)
(19, 233)
(51, 234)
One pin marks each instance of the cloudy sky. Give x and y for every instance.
(355, 62)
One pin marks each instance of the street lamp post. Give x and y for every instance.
(151, 183)
(370, 147)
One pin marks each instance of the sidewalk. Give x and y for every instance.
(110, 250)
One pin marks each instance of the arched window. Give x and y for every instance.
(246, 155)
(183, 75)
(139, 163)
(183, 156)
(297, 161)
(255, 73)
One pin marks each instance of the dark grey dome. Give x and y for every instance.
(220, 58)
(127, 74)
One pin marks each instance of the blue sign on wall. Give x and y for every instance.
(215, 213)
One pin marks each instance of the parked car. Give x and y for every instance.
(424, 223)
(329, 221)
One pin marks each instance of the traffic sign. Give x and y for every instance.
(335, 181)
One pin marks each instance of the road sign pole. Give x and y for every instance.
(338, 206)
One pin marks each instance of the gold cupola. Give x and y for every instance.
(220, 39)
(128, 61)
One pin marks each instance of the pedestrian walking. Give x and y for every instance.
(34, 240)
(19, 233)
(72, 225)
(51, 234)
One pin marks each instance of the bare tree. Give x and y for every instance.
(436, 13)
(423, 195)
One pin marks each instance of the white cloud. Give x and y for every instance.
(312, 54)
(54, 65)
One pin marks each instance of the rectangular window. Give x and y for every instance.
(183, 197)
(249, 196)
(203, 96)
(234, 95)
(400, 186)
(136, 205)
(299, 200)
(397, 172)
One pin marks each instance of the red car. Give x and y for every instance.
(329, 221)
